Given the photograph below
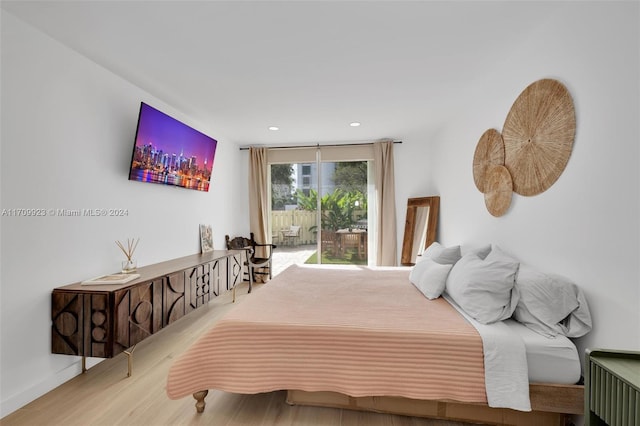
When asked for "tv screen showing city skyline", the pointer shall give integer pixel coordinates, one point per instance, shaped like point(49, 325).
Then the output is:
point(169, 152)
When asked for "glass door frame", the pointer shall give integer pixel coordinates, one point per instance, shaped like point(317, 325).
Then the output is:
point(332, 153)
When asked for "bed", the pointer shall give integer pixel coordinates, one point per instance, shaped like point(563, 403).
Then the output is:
point(366, 339)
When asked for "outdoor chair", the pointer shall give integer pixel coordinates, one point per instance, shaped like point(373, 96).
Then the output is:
point(329, 242)
point(291, 234)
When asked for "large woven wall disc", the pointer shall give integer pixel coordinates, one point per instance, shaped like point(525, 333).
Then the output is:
point(538, 136)
point(498, 190)
point(489, 152)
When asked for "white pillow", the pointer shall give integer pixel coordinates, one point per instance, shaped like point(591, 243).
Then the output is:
point(497, 253)
point(441, 254)
point(485, 289)
point(481, 251)
point(430, 277)
point(551, 304)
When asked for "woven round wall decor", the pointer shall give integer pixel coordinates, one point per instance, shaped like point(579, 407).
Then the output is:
point(489, 152)
point(498, 190)
point(538, 136)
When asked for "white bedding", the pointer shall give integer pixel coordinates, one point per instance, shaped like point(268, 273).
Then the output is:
point(550, 360)
point(516, 356)
point(505, 363)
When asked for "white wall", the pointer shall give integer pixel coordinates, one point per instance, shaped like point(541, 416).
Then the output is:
point(586, 226)
point(67, 134)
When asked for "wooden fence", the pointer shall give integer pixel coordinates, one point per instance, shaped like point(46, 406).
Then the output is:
point(282, 220)
point(307, 220)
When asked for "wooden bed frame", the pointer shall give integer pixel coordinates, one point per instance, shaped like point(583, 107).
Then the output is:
point(552, 405)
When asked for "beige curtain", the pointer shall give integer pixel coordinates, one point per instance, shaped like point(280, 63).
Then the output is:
point(258, 195)
point(386, 203)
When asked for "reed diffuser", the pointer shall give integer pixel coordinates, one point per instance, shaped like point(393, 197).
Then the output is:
point(128, 265)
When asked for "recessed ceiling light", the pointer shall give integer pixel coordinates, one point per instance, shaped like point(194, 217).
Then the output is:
point(354, 124)
point(274, 128)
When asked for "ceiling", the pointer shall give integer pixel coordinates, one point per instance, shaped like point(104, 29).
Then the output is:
point(309, 68)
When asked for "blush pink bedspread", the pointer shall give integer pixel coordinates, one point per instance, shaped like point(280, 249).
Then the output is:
point(357, 331)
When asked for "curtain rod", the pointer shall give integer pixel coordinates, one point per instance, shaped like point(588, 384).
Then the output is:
point(318, 145)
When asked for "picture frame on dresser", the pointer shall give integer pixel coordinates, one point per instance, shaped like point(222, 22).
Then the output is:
point(206, 238)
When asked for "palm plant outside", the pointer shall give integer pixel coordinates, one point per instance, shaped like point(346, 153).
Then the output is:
point(337, 208)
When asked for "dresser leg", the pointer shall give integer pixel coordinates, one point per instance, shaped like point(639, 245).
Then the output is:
point(84, 364)
point(129, 354)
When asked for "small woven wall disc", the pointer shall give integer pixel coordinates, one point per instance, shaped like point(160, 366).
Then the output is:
point(498, 190)
point(538, 136)
point(489, 152)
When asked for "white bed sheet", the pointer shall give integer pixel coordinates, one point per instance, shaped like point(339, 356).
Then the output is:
point(505, 363)
point(549, 360)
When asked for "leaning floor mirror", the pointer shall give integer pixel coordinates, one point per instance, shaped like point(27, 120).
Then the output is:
point(420, 227)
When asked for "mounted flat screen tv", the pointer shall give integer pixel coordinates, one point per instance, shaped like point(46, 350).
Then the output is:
point(168, 152)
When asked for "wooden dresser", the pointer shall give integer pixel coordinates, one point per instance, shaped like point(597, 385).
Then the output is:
point(105, 320)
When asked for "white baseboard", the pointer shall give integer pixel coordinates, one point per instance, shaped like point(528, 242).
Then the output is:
point(19, 400)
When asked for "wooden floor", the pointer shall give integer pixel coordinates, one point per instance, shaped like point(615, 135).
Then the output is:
point(104, 395)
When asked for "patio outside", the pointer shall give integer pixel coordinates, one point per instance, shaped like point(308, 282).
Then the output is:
point(319, 213)
point(286, 255)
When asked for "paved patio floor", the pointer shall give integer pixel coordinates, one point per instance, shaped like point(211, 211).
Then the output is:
point(284, 256)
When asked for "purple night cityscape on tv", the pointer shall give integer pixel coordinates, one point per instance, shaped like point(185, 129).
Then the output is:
point(169, 152)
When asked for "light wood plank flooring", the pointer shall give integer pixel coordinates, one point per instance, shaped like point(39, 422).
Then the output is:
point(104, 395)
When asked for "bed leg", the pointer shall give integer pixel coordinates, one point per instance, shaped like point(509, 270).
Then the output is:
point(200, 396)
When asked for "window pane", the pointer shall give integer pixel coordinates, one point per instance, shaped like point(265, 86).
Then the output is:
point(344, 212)
point(338, 232)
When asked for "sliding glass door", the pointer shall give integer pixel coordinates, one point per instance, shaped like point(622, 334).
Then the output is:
point(343, 212)
point(322, 207)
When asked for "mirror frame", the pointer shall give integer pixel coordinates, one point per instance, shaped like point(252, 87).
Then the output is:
point(409, 226)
